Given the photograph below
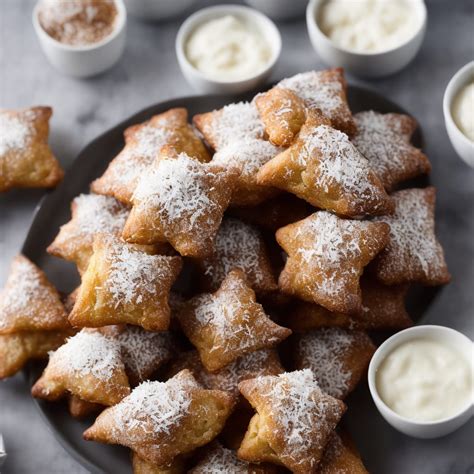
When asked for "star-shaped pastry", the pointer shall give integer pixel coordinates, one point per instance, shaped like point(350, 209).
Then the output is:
point(143, 142)
point(233, 123)
point(338, 358)
point(88, 365)
point(238, 245)
point(180, 201)
point(326, 257)
point(413, 253)
point(383, 308)
point(248, 156)
point(294, 421)
point(91, 214)
point(162, 420)
point(341, 456)
point(26, 161)
point(16, 349)
point(385, 140)
point(123, 284)
point(229, 323)
point(326, 169)
point(321, 92)
point(29, 302)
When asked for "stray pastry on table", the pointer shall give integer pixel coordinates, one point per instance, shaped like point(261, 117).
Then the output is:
point(229, 323)
point(339, 358)
point(413, 253)
point(91, 214)
point(326, 257)
point(181, 201)
point(89, 365)
point(293, 423)
point(26, 161)
point(123, 284)
point(238, 245)
point(163, 420)
point(324, 168)
point(142, 145)
point(385, 140)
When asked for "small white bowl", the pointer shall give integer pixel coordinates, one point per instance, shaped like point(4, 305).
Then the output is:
point(157, 10)
point(463, 146)
point(206, 84)
point(421, 429)
point(84, 61)
point(365, 64)
point(280, 9)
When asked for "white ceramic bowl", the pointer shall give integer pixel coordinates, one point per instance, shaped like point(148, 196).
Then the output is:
point(84, 61)
point(206, 84)
point(420, 429)
point(365, 64)
point(463, 146)
point(157, 10)
point(280, 9)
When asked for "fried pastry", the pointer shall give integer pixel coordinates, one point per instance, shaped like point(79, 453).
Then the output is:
point(322, 92)
point(283, 114)
point(140, 466)
point(238, 245)
point(81, 409)
point(29, 302)
point(338, 358)
point(248, 156)
point(274, 213)
point(122, 284)
point(326, 257)
point(233, 123)
point(91, 214)
point(413, 253)
point(293, 423)
point(227, 379)
point(341, 456)
point(180, 201)
point(383, 308)
point(162, 420)
point(324, 168)
point(26, 161)
point(385, 140)
point(142, 145)
point(88, 365)
point(229, 323)
point(18, 348)
point(218, 459)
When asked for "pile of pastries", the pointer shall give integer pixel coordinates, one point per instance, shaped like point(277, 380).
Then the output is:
point(230, 271)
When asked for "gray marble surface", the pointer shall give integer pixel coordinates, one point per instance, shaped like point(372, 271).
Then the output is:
point(149, 73)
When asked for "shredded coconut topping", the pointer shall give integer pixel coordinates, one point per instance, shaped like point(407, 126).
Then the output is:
point(88, 353)
point(220, 460)
point(236, 122)
point(15, 133)
point(154, 408)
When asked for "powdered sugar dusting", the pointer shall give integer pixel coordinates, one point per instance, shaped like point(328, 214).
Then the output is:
point(15, 133)
point(221, 460)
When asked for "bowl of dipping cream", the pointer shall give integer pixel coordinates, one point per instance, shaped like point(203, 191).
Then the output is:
point(368, 38)
point(227, 48)
point(421, 380)
point(458, 109)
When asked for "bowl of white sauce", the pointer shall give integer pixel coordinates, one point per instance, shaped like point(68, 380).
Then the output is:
point(369, 38)
point(458, 109)
point(421, 380)
point(227, 48)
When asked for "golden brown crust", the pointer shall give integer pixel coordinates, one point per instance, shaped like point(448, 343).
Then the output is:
point(325, 169)
point(181, 201)
point(326, 257)
point(142, 145)
point(123, 284)
point(140, 466)
point(81, 409)
point(161, 421)
point(229, 323)
point(29, 302)
point(26, 161)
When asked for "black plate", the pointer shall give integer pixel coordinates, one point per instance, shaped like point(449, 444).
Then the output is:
point(53, 211)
